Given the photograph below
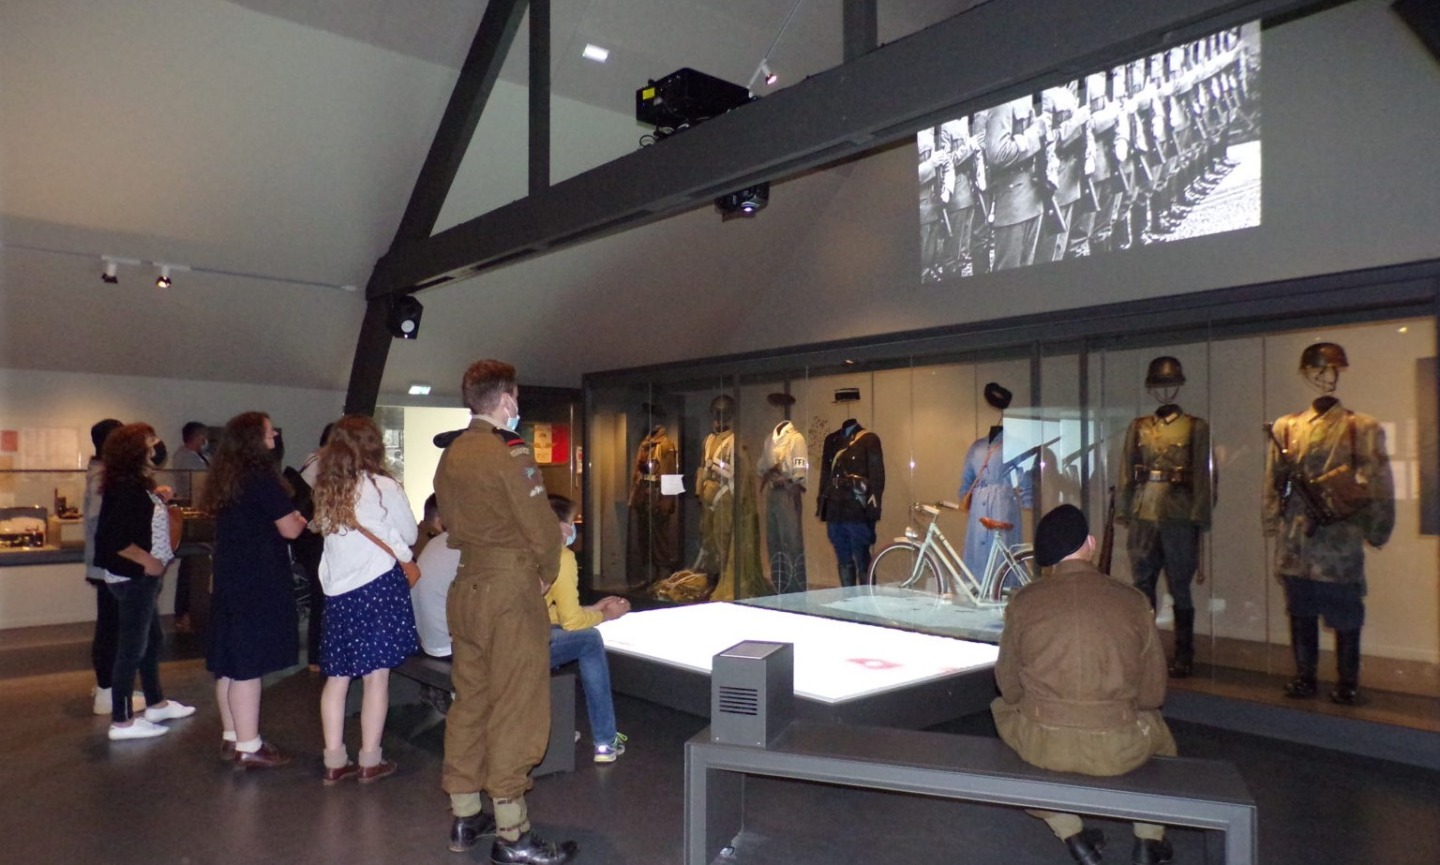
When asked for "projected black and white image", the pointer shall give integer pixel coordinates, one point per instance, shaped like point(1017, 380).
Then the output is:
point(1163, 148)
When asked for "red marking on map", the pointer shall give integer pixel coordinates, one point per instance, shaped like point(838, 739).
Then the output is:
point(874, 663)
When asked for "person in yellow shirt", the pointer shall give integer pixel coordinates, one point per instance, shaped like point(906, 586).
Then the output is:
point(573, 638)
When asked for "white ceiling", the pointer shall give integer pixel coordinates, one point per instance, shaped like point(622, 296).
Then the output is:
point(276, 141)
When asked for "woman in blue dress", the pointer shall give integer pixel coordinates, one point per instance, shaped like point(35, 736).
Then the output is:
point(254, 625)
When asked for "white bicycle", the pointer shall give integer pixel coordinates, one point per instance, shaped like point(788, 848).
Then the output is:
point(931, 563)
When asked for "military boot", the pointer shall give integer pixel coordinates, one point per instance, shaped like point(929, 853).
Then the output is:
point(1305, 642)
point(847, 575)
point(1347, 666)
point(1086, 845)
point(1184, 662)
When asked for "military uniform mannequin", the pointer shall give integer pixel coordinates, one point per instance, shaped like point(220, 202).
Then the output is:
point(1328, 492)
point(853, 466)
point(729, 519)
point(1164, 495)
point(783, 466)
point(654, 536)
point(994, 490)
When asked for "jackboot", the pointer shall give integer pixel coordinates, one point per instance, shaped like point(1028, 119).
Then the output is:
point(1347, 668)
point(847, 575)
point(1305, 642)
point(1085, 846)
point(1184, 662)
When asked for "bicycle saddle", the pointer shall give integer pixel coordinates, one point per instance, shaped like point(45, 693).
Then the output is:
point(996, 525)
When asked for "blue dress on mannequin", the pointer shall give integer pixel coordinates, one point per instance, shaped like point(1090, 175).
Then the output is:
point(1000, 494)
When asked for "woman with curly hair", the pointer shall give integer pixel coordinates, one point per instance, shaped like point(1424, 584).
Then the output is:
point(253, 621)
point(369, 625)
point(132, 548)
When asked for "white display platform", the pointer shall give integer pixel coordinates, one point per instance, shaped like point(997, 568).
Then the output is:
point(835, 661)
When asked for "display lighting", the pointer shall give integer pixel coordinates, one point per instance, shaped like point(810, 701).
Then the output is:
point(596, 53)
point(419, 390)
point(745, 203)
point(109, 275)
point(163, 280)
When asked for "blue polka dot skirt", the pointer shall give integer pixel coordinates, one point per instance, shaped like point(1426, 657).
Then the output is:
point(370, 628)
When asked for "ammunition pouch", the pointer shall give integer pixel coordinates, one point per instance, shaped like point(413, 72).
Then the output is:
point(1342, 493)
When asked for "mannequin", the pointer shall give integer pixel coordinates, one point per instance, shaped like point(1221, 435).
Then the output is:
point(1164, 496)
point(783, 467)
point(853, 468)
point(729, 520)
point(1328, 492)
point(998, 490)
point(653, 549)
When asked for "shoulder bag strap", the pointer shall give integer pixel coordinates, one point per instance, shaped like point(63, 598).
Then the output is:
point(379, 543)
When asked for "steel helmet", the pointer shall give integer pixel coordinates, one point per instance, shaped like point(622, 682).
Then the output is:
point(1323, 355)
point(1165, 371)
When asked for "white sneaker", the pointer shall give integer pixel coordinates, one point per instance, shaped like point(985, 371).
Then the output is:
point(611, 751)
point(169, 711)
point(102, 702)
point(139, 729)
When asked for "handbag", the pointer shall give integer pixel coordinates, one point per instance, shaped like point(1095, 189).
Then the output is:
point(410, 569)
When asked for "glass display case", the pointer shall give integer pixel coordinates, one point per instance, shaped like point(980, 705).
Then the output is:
point(1159, 433)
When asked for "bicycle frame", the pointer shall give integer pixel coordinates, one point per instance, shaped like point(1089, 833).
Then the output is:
point(950, 567)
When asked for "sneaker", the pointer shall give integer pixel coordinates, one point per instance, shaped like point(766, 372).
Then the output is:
point(139, 728)
point(611, 751)
point(168, 711)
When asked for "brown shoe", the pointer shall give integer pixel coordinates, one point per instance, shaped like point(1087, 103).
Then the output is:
point(383, 769)
point(335, 776)
point(268, 757)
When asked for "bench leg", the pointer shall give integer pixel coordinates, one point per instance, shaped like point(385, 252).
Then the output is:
point(714, 809)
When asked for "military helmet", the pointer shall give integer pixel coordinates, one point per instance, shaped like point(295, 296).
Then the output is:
point(1323, 355)
point(1165, 371)
point(997, 395)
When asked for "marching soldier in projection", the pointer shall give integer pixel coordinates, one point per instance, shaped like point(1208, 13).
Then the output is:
point(1328, 492)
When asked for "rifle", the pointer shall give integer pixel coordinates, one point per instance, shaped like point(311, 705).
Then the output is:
point(1107, 542)
point(1292, 481)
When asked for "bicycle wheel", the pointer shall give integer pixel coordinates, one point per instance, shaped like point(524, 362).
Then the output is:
point(896, 566)
point(1012, 577)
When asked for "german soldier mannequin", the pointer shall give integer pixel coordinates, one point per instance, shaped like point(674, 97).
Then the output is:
point(654, 537)
point(1164, 497)
point(1328, 492)
point(853, 466)
point(783, 466)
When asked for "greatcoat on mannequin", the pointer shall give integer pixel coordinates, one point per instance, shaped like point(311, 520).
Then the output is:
point(783, 467)
point(654, 536)
point(1164, 495)
point(729, 519)
point(1328, 492)
point(997, 489)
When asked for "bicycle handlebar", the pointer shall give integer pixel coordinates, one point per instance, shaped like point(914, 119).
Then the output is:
point(934, 510)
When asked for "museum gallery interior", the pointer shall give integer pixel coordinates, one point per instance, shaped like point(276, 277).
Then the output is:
point(817, 308)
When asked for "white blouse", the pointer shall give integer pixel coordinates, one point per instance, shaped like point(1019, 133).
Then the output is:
point(351, 560)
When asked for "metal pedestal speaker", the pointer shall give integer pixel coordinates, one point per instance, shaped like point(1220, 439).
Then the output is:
point(752, 693)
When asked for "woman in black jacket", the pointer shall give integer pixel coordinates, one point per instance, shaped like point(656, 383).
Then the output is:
point(132, 547)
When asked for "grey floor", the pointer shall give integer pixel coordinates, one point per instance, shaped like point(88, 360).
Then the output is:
point(71, 796)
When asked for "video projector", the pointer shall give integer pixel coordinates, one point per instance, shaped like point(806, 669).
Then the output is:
point(684, 98)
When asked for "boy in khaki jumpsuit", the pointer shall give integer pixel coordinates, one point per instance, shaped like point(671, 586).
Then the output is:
point(493, 502)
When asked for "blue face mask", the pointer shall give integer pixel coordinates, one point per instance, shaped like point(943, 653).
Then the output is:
point(513, 423)
point(569, 535)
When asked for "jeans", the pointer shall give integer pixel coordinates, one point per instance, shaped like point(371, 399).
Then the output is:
point(138, 645)
point(588, 647)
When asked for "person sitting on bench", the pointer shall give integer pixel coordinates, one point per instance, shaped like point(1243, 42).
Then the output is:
point(573, 638)
point(1082, 677)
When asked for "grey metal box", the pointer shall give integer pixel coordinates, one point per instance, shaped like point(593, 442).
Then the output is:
point(752, 693)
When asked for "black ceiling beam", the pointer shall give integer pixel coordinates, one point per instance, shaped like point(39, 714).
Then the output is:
point(457, 127)
point(481, 69)
point(860, 28)
point(539, 96)
point(992, 52)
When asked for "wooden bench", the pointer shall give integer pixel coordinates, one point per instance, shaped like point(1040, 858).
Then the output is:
point(432, 672)
point(1175, 791)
